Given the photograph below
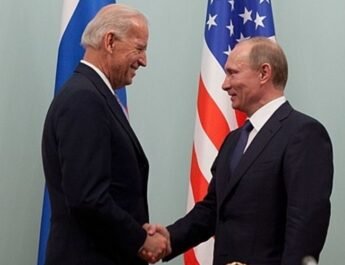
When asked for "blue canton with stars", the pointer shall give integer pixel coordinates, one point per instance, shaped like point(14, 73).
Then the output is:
point(230, 21)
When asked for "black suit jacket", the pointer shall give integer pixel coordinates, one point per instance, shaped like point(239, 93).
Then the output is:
point(274, 208)
point(96, 173)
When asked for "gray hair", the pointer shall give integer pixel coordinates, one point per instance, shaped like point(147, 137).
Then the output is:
point(265, 50)
point(116, 18)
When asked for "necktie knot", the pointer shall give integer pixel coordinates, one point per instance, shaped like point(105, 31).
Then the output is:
point(247, 126)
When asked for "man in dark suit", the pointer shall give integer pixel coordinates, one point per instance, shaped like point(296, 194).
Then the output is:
point(96, 171)
point(274, 206)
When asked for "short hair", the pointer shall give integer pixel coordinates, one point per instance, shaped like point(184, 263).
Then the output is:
point(265, 50)
point(116, 18)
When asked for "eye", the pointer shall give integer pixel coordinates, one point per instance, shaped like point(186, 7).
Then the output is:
point(231, 72)
point(139, 50)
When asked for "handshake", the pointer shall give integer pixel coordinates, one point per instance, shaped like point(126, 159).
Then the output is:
point(157, 244)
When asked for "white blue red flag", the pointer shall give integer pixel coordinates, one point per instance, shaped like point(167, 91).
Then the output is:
point(227, 23)
point(75, 16)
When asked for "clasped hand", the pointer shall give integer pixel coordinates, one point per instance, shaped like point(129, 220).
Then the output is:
point(157, 244)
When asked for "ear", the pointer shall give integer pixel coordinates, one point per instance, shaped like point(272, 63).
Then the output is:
point(265, 72)
point(109, 41)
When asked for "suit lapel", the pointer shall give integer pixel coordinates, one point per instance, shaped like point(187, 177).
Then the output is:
point(256, 147)
point(224, 164)
point(111, 102)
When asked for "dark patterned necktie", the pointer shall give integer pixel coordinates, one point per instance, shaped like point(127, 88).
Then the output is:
point(241, 144)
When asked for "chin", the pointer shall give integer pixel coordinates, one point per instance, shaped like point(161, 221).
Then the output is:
point(234, 105)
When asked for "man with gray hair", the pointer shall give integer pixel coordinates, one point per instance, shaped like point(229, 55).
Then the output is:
point(95, 168)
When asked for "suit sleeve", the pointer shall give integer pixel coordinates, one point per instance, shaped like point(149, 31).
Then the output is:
point(196, 227)
point(84, 138)
point(308, 173)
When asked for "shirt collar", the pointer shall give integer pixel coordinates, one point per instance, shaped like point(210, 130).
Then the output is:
point(261, 116)
point(100, 73)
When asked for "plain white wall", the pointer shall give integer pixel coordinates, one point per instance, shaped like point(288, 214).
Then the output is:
point(161, 104)
point(28, 44)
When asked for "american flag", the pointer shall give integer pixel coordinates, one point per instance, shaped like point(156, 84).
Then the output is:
point(227, 23)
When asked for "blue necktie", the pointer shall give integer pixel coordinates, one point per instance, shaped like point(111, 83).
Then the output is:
point(241, 144)
point(121, 105)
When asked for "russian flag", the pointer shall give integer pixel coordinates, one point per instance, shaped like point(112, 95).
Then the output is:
point(75, 16)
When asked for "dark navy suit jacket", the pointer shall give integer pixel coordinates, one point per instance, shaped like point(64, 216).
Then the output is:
point(275, 207)
point(96, 173)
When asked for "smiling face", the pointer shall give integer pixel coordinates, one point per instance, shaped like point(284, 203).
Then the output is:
point(242, 82)
point(127, 54)
point(256, 73)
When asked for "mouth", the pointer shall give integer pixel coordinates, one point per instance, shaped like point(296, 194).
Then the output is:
point(232, 95)
point(134, 69)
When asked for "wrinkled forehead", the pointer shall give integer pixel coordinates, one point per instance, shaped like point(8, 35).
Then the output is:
point(138, 29)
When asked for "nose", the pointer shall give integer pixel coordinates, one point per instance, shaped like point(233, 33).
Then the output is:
point(226, 83)
point(143, 59)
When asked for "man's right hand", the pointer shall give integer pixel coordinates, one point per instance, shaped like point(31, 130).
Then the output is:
point(155, 248)
point(157, 243)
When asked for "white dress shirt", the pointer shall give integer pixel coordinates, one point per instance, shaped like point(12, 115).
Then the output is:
point(261, 116)
point(107, 82)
